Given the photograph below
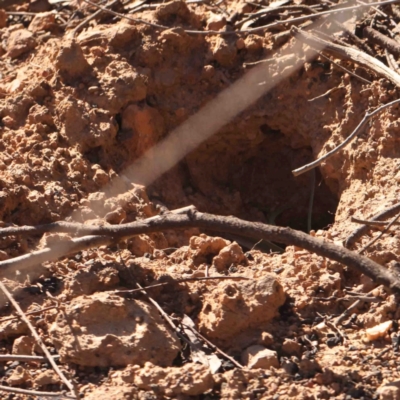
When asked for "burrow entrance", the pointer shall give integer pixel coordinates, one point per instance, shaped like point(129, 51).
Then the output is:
point(245, 171)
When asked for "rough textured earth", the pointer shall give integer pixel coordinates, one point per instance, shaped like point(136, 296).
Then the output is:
point(77, 108)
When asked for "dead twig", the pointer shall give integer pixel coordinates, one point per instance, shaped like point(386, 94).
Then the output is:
point(28, 392)
point(317, 15)
point(357, 233)
point(252, 30)
point(311, 202)
point(62, 249)
point(385, 42)
point(392, 61)
point(350, 53)
point(348, 298)
point(221, 224)
point(23, 358)
point(360, 43)
point(368, 115)
point(272, 11)
point(211, 222)
point(206, 278)
point(165, 316)
point(39, 341)
point(91, 17)
point(351, 308)
point(215, 348)
point(328, 92)
point(74, 227)
point(137, 20)
point(28, 313)
point(380, 234)
point(345, 70)
point(377, 224)
point(197, 350)
point(333, 326)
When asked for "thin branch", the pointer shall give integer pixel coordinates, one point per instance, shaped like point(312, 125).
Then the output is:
point(350, 53)
point(362, 230)
point(28, 313)
point(61, 249)
point(28, 392)
point(311, 202)
point(314, 16)
point(392, 61)
point(137, 20)
point(252, 30)
point(385, 42)
point(74, 227)
point(205, 278)
point(366, 299)
point(328, 92)
point(23, 358)
point(39, 340)
point(377, 224)
point(165, 316)
point(211, 222)
point(272, 11)
point(215, 348)
point(357, 130)
point(350, 309)
point(380, 234)
point(360, 43)
point(91, 17)
point(345, 70)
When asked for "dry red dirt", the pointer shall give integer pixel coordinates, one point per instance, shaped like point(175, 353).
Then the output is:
point(76, 111)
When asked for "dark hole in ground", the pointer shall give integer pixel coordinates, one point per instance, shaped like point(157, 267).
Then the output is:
point(251, 179)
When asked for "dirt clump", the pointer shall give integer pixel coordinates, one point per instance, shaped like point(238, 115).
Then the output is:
point(123, 332)
point(191, 379)
point(233, 307)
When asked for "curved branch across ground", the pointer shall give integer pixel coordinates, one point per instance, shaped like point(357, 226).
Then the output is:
point(256, 230)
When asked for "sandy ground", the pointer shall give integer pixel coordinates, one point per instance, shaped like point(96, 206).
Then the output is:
point(78, 107)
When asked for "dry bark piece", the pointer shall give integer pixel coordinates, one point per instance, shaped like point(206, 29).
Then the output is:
point(121, 331)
